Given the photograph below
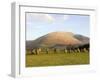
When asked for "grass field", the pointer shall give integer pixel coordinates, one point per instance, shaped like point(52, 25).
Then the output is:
point(54, 59)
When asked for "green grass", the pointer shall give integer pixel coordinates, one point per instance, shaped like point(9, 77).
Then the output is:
point(54, 59)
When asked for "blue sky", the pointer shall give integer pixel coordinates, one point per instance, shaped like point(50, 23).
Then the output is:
point(39, 24)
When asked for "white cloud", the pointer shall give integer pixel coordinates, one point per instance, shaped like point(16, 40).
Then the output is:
point(50, 18)
point(46, 18)
point(31, 17)
point(66, 17)
point(62, 18)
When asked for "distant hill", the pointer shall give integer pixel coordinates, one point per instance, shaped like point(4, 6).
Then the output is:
point(58, 39)
point(83, 39)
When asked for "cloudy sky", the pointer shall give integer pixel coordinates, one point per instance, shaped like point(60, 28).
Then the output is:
point(39, 24)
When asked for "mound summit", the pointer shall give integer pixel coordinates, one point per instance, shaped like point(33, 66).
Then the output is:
point(57, 39)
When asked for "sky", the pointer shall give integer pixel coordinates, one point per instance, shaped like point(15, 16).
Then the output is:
point(39, 24)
